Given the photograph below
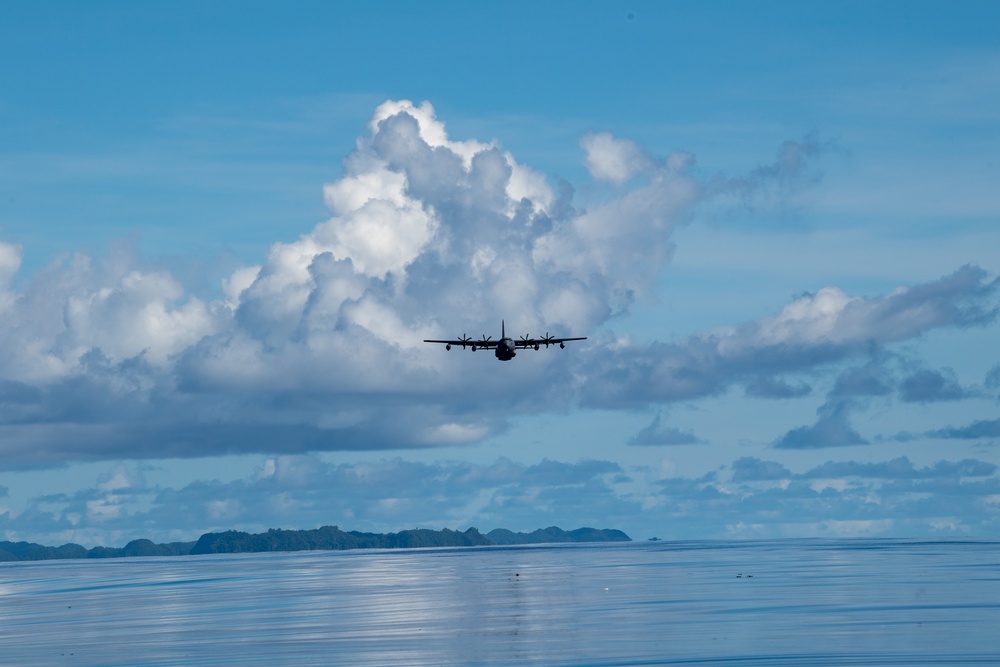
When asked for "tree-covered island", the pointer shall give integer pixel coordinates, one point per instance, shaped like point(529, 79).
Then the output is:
point(327, 538)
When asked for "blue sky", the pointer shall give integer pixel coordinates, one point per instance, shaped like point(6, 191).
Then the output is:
point(226, 227)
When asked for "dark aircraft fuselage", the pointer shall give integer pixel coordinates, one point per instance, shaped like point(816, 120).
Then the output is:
point(505, 349)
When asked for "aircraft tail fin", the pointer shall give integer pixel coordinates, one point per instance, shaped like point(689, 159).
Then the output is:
point(503, 331)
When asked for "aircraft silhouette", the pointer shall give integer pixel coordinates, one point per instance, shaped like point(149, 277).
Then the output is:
point(505, 349)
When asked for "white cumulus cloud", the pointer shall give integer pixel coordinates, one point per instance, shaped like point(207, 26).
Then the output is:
point(318, 347)
point(609, 158)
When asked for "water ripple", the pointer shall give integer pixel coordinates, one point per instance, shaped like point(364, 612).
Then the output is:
point(807, 602)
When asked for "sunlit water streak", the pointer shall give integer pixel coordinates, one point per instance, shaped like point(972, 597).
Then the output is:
point(882, 602)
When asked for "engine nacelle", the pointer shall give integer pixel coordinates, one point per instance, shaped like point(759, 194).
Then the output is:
point(447, 347)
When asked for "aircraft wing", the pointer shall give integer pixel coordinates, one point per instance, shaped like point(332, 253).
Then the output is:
point(546, 341)
point(478, 344)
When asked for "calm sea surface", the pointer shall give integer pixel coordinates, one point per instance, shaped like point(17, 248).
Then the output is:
point(794, 602)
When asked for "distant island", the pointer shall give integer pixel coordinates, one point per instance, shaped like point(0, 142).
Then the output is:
point(327, 538)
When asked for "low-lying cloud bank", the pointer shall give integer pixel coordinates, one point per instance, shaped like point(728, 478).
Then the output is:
point(752, 497)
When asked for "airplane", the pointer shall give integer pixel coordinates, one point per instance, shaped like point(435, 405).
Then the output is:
point(505, 349)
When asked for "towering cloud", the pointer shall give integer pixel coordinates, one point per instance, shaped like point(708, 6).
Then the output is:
point(318, 347)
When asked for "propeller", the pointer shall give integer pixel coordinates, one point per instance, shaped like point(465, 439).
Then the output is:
point(547, 339)
point(485, 340)
point(525, 340)
point(463, 340)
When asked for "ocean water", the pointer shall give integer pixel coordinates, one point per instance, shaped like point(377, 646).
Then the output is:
point(789, 602)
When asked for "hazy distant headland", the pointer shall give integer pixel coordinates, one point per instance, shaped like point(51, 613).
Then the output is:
point(327, 538)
